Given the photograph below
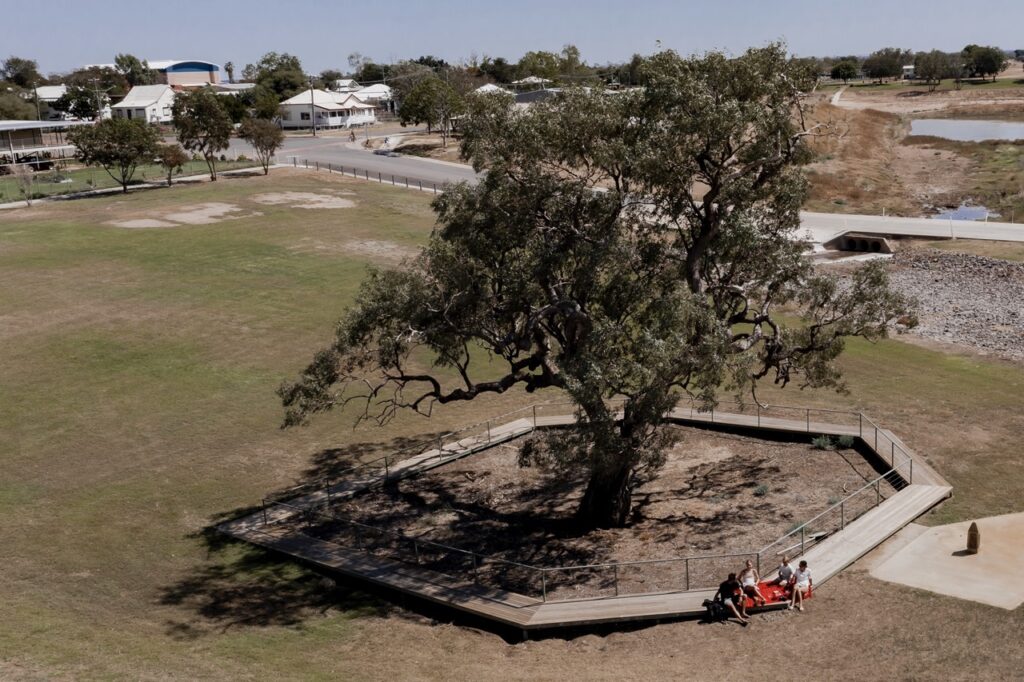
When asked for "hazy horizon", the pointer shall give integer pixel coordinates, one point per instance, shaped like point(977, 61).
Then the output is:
point(323, 35)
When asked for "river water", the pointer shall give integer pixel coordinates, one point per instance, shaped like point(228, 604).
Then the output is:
point(964, 130)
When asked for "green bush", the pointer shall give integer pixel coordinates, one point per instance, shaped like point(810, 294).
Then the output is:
point(823, 443)
point(846, 442)
point(761, 490)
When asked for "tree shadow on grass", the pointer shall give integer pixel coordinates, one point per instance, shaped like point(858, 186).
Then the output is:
point(243, 585)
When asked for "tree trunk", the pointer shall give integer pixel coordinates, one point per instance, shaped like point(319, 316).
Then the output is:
point(608, 498)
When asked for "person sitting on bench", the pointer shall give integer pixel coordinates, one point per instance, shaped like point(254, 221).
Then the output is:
point(749, 578)
point(730, 594)
point(801, 586)
point(785, 573)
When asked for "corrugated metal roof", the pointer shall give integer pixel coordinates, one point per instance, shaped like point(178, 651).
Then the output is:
point(143, 96)
point(39, 125)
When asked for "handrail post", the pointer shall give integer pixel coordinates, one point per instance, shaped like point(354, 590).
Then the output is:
point(543, 585)
point(842, 515)
point(860, 423)
point(488, 430)
point(802, 540)
point(911, 470)
point(878, 494)
point(264, 511)
point(616, 569)
point(808, 420)
point(876, 440)
point(687, 574)
point(534, 417)
point(758, 415)
point(387, 469)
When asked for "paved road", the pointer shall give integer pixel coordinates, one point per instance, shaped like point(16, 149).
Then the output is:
point(822, 227)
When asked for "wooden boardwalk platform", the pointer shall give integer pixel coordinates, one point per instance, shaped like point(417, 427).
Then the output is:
point(274, 528)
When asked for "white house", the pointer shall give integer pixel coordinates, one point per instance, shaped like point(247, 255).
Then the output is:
point(374, 93)
point(345, 85)
point(150, 103)
point(326, 110)
point(492, 89)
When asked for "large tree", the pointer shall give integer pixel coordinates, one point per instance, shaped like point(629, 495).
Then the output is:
point(984, 61)
point(281, 73)
point(203, 125)
point(118, 145)
point(935, 65)
point(13, 106)
point(682, 276)
point(172, 158)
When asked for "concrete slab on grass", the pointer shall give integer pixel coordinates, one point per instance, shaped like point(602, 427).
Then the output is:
point(936, 561)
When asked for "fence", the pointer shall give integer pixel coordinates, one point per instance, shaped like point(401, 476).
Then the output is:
point(380, 177)
point(61, 181)
point(566, 583)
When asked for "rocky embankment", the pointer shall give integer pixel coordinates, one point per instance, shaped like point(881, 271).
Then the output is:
point(965, 299)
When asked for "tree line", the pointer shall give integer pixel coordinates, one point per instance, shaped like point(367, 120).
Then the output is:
point(932, 66)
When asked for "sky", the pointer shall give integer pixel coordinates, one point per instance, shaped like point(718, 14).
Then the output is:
point(64, 34)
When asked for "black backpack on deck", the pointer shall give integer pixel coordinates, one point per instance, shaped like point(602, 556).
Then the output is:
point(716, 610)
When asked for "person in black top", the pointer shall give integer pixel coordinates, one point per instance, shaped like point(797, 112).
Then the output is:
point(730, 594)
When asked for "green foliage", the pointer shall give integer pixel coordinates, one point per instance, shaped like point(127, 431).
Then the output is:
point(935, 65)
point(599, 294)
point(761, 490)
point(433, 102)
point(845, 442)
point(203, 125)
point(14, 107)
point(118, 145)
point(886, 63)
point(823, 442)
point(541, 64)
point(844, 71)
point(21, 72)
point(282, 74)
point(105, 81)
point(80, 102)
point(984, 61)
point(136, 72)
point(172, 158)
point(498, 68)
point(265, 137)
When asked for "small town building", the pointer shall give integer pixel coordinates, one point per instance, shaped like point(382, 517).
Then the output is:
point(185, 73)
point(30, 141)
point(374, 93)
point(345, 85)
point(492, 89)
point(325, 110)
point(908, 72)
point(150, 103)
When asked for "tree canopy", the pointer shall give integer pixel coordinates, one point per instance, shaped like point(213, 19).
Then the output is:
point(844, 71)
point(683, 276)
point(21, 72)
point(118, 145)
point(433, 102)
point(81, 103)
point(134, 70)
point(982, 61)
point(265, 137)
point(203, 125)
point(886, 63)
point(280, 73)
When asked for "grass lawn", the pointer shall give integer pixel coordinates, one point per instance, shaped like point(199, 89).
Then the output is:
point(50, 183)
point(946, 84)
point(139, 370)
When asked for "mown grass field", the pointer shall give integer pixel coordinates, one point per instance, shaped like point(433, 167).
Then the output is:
point(138, 374)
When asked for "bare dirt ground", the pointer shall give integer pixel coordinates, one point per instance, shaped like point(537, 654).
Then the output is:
point(431, 146)
point(717, 494)
point(921, 101)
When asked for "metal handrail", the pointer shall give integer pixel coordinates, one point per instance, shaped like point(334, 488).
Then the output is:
point(545, 570)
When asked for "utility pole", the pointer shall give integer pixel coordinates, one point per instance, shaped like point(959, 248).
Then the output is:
point(312, 107)
point(35, 88)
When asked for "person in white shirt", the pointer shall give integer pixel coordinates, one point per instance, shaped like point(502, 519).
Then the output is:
point(749, 578)
point(801, 585)
point(785, 573)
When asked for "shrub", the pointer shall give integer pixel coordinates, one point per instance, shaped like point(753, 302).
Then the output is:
point(761, 490)
point(242, 157)
point(846, 442)
point(823, 443)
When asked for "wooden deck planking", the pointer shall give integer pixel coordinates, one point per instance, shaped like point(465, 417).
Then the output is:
point(826, 559)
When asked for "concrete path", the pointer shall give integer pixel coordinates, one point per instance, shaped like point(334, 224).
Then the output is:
point(935, 561)
point(839, 93)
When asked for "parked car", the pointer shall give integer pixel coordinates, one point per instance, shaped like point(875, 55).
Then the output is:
point(36, 162)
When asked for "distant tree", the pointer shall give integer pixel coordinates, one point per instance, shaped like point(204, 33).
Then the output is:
point(982, 61)
point(1018, 55)
point(886, 63)
point(100, 79)
point(118, 145)
point(356, 61)
point(371, 72)
point(844, 71)
point(136, 72)
point(281, 73)
point(498, 68)
point(21, 72)
point(935, 65)
point(541, 64)
point(203, 125)
point(263, 102)
point(249, 73)
point(14, 107)
point(431, 62)
point(328, 77)
point(81, 103)
point(173, 158)
point(264, 137)
point(570, 64)
point(403, 77)
point(229, 68)
point(236, 105)
point(434, 103)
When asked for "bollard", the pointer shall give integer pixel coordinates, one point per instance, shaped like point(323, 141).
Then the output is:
point(973, 538)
